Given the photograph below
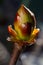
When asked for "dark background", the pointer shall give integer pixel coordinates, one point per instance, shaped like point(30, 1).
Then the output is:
point(8, 9)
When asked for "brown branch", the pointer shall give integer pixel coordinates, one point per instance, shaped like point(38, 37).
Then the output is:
point(16, 52)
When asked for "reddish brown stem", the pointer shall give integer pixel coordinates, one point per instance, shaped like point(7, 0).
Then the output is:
point(16, 52)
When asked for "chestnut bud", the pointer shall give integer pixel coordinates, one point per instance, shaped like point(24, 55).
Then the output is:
point(24, 23)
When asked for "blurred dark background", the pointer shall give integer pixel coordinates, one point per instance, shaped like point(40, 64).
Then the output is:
point(8, 9)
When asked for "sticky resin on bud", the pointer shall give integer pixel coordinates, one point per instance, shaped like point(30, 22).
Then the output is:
point(24, 23)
